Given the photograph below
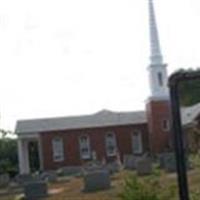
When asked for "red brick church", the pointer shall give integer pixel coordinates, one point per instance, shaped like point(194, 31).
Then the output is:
point(72, 141)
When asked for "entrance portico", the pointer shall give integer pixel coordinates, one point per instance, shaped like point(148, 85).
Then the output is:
point(23, 152)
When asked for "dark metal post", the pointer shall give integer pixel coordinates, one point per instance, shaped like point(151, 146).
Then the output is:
point(178, 140)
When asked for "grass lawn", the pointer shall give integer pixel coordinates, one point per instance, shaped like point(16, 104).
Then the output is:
point(9, 197)
point(72, 190)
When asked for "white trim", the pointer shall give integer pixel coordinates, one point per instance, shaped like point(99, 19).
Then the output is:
point(29, 136)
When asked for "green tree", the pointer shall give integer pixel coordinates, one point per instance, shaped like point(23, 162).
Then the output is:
point(189, 92)
point(8, 153)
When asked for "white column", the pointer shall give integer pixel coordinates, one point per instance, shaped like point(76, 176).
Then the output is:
point(20, 156)
point(26, 157)
point(23, 156)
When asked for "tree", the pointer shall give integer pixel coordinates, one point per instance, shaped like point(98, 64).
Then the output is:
point(189, 92)
point(8, 153)
point(5, 133)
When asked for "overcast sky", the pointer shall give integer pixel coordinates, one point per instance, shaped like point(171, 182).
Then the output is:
point(71, 57)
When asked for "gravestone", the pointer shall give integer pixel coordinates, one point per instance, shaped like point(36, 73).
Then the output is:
point(113, 167)
point(169, 162)
point(49, 176)
point(24, 178)
point(130, 161)
point(144, 167)
point(96, 180)
point(35, 190)
point(162, 160)
point(92, 166)
point(69, 171)
point(4, 180)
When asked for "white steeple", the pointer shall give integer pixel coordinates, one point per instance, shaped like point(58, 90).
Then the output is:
point(157, 69)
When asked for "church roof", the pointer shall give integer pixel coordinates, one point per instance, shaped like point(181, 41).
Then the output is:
point(100, 119)
point(189, 114)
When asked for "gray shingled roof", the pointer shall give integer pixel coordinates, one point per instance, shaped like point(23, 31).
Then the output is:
point(100, 119)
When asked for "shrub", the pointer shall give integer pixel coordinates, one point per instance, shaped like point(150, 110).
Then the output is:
point(134, 189)
point(195, 195)
point(148, 188)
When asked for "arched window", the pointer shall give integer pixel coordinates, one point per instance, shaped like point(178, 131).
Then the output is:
point(160, 79)
point(137, 142)
point(84, 145)
point(111, 144)
point(58, 149)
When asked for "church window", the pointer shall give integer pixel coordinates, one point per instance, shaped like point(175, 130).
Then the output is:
point(165, 125)
point(84, 144)
point(58, 149)
point(137, 142)
point(160, 79)
point(111, 144)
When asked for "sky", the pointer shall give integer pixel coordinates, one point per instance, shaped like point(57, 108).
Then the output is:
point(73, 57)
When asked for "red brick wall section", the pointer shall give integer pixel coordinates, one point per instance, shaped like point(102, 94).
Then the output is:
point(97, 142)
point(157, 111)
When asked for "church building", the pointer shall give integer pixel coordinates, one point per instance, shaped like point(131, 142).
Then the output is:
point(73, 141)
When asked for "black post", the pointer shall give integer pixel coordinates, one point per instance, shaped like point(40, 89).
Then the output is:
point(178, 139)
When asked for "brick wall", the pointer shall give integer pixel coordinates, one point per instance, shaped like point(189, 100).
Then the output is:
point(159, 140)
point(97, 142)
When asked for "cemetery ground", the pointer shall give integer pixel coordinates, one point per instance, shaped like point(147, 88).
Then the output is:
point(71, 188)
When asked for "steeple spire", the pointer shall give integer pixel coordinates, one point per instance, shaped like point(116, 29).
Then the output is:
point(156, 55)
point(157, 69)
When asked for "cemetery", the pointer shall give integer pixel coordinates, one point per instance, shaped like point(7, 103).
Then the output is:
point(97, 181)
